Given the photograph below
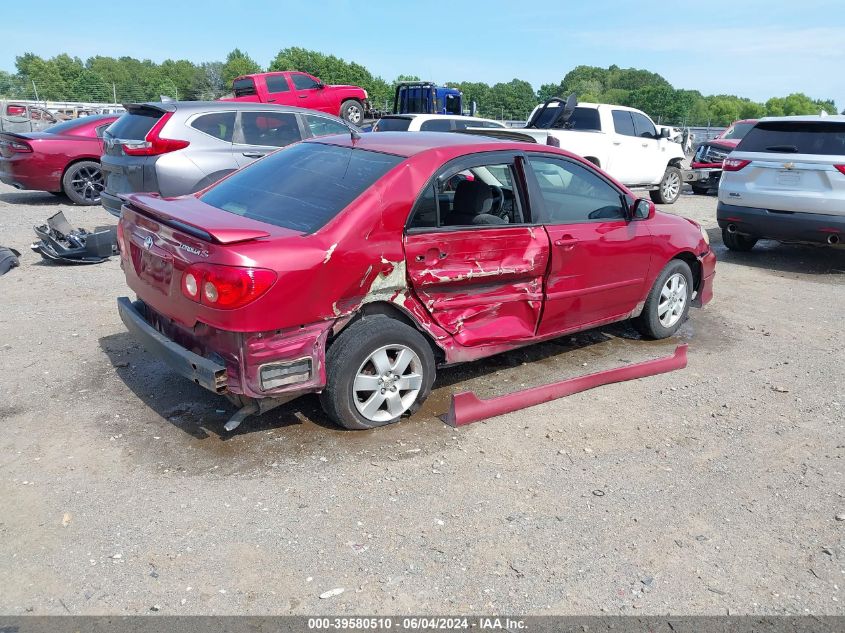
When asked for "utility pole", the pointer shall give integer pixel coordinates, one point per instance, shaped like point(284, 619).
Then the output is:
point(35, 89)
point(114, 92)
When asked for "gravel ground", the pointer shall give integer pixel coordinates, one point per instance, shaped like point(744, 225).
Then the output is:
point(710, 490)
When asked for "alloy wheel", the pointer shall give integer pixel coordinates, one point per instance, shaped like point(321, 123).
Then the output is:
point(387, 383)
point(673, 300)
point(88, 183)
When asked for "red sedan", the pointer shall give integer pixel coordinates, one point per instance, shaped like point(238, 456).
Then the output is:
point(64, 158)
point(353, 267)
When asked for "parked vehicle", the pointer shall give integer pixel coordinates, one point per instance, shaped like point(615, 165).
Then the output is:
point(785, 181)
point(622, 141)
point(180, 147)
point(64, 158)
point(432, 123)
point(426, 97)
point(710, 154)
point(380, 265)
point(24, 117)
point(292, 88)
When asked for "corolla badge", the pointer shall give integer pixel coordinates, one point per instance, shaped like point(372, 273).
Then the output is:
point(194, 251)
point(148, 242)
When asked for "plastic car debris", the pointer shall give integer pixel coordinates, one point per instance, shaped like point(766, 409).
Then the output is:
point(466, 407)
point(61, 243)
point(8, 259)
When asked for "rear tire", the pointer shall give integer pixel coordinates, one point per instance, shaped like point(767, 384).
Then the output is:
point(352, 111)
point(668, 302)
point(738, 242)
point(699, 190)
point(670, 187)
point(377, 371)
point(83, 182)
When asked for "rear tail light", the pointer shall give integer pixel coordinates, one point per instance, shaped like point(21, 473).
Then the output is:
point(840, 168)
point(734, 164)
point(225, 287)
point(18, 147)
point(153, 144)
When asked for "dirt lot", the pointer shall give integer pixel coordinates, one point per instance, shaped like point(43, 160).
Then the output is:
point(710, 490)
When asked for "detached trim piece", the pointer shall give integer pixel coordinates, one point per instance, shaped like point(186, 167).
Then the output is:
point(467, 407)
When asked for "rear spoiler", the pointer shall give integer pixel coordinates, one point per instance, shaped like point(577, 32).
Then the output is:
point(147, 205)
point(503, 133)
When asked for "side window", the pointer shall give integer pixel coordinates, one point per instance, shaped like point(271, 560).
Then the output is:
point(623, 123)
point(100, 129)
point(321, 126)
point(303, 82)
point(484, 195)
point(436, 125)
point(244, 87)
point(271, 129)
point(217, 124)
point(572, 193)
point(277, 83)
point(643, 126)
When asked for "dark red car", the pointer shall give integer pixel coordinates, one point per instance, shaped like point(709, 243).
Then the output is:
point(710, 154)
point(353, 267)
point(64, 158)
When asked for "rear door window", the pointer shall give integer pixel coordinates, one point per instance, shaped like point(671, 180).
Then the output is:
point(321, 126)
point(391, 124)
point(277, 83)
point(302, 187)
point(436, 125)
point(795, 137)
point(623, 123)
point(270, 129)
point(217, 124)
point(135, 125)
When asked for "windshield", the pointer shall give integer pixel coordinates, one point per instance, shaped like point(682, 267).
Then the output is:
point(582, 118)
point(738, 131)
point(302, 187)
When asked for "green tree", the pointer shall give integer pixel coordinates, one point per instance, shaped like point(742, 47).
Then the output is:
point(238, 63)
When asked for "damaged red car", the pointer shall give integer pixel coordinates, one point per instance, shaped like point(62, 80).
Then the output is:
point(354, 266)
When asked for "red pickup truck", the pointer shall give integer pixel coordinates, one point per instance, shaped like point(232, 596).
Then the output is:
point(294, 88)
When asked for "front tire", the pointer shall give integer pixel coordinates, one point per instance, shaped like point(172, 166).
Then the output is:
point(668, 302)
point(737, 242)
point(83, 182)
point(377, 371)
point(670, 187)
point(352, 111)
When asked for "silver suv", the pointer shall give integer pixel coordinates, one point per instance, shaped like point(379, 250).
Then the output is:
point(785, 181)
point(180, 147)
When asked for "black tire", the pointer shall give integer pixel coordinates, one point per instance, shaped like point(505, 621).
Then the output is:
point(699, 190)
point(351, 353)
point(352, 111)
point(670, 187)
point(648, 323)
point(83, 182)
point(737, 242)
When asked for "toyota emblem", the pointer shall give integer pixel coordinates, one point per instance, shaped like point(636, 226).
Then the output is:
point(148, 242)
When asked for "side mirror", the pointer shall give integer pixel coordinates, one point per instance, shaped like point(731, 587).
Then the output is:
point(320, 85)
point(643, 209)
point(665, 132)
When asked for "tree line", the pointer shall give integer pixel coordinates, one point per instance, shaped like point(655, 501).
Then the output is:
point(126, 79)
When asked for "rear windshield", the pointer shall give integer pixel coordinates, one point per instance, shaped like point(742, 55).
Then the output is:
point(393, 125)
point(795, 137)
point(134, 125)
point(302, 187)
point(582, 119)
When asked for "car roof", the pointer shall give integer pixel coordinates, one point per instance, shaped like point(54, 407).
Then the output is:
point(810, 118)
point(407, 145)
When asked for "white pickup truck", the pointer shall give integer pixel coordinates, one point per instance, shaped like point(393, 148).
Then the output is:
point(624, 142)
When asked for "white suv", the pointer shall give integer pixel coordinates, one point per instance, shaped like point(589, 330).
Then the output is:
point(785, 181)
point(431, 123)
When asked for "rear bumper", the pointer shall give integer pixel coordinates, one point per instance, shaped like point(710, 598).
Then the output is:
point(271, 364)
point(785, 226)
point(12, 172)
point(194, 367)
point(111, 203)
